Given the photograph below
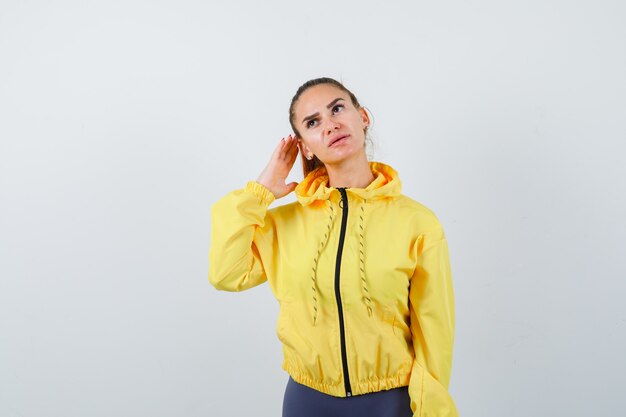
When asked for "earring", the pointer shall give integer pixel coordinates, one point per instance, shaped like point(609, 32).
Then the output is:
point(309, 157)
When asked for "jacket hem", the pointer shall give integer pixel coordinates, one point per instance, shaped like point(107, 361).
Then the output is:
point(338, 390)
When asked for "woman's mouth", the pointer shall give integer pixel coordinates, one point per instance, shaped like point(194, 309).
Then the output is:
point(339, 141)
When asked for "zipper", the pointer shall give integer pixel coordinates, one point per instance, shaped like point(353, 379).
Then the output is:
point(344, 358)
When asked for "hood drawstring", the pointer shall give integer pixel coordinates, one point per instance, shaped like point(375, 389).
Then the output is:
point(317, 256)
point(366, 293)
point(366, 297)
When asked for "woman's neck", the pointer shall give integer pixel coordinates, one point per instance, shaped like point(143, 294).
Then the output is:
point(350, 174)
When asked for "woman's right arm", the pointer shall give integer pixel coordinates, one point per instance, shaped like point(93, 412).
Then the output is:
point(242, 235)
point(241, 238)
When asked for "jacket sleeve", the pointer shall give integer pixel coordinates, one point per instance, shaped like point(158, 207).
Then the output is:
point(241, 238)
point(431, 306)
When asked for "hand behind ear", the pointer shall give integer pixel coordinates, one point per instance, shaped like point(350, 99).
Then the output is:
point(275, 173)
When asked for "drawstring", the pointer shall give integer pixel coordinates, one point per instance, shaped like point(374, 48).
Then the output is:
point(366, 297)
point(317, 256)
point(366, 292)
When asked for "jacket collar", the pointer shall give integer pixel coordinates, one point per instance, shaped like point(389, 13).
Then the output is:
point(315, 185)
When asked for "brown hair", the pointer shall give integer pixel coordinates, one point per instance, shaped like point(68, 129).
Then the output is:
point(310, 165)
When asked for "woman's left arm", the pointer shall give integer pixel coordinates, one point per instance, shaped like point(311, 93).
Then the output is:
point(431, 302)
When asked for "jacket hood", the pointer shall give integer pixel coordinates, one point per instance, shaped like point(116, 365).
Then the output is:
point(314, 187)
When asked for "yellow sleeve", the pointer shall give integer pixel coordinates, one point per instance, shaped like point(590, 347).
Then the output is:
point(241, 238)
point(431, 306)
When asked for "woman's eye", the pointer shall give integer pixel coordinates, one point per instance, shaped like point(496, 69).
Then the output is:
point(312, 120)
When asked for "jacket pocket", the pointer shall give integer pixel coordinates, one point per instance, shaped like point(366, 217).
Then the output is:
point(432, 398)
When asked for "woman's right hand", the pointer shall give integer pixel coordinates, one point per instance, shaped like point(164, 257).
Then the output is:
point(275, 173)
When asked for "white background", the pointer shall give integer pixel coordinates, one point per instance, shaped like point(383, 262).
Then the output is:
point(121, 122)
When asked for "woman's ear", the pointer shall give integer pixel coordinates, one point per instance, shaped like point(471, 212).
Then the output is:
point(305, 150)
point(365, 117)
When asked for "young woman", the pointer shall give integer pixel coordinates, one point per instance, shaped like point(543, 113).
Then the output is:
point(361, 271)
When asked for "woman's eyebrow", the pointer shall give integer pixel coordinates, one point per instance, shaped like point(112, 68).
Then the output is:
point(331, 104)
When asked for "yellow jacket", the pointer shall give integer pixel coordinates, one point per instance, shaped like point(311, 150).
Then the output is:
point(363, 279)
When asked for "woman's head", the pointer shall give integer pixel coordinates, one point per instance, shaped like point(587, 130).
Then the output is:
point(321, 111)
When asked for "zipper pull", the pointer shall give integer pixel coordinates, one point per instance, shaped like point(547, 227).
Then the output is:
point(342, 190)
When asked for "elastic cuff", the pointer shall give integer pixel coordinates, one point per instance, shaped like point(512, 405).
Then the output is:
point(260, 191)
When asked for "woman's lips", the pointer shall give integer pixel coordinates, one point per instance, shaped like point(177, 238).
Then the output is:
point(339, 141)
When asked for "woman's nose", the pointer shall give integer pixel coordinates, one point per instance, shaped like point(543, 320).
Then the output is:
point(331, 125)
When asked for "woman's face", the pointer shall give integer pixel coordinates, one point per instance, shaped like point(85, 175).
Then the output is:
point(324, 113)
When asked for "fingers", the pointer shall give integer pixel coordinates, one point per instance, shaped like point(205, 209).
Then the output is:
point(281, 149)
point(293, 152)
point(287, 147)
